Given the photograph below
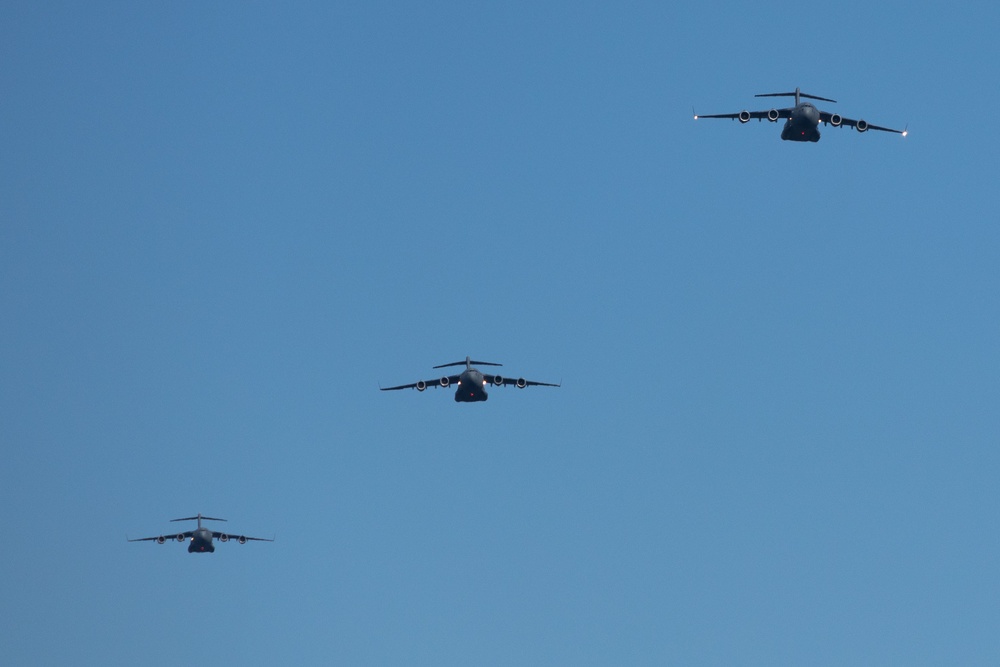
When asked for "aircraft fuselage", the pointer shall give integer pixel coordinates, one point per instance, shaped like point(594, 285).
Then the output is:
point(471, 387)
point(201, 542)
point(803, 124)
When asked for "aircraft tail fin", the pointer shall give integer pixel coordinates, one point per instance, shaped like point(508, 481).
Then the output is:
point(197, 518)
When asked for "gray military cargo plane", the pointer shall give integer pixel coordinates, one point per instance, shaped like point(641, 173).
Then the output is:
point(801, 121)
point(201, 538)
point(470, 385)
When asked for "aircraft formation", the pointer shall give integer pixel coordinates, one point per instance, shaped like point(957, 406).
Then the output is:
point(801, 124)
point(470, 387)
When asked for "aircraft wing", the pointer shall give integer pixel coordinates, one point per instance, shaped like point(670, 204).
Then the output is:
point(759, 115)
point(218, 533)
point(826, 116)
point(517, 382)
point(436, 382)
point(166, 536)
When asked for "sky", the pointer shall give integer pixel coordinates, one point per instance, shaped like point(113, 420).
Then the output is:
point(223, 226)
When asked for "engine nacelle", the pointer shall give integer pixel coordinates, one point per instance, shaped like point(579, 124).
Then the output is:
point(421, 385)
point(744, 116)
point(497, 380)
point(445, 381)
point(836, 119)
point(521, 383)
point(773, 115)
point(223, 537)
point(241, 539)
point(179, 538)
point(862, 126)
point(161, 539)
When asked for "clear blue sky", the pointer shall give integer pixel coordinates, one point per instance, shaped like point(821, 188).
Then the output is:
point(223, 225)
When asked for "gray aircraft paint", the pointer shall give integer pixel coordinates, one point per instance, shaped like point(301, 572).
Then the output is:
point(470, 385)
point(200, 539)
point(801, 121)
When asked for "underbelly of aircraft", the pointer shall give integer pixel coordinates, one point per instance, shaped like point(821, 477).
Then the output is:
point(464, 395)
point(799, 132)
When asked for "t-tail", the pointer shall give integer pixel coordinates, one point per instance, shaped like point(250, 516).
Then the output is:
point(198, 519)
point(797, 95)
point(468, 363)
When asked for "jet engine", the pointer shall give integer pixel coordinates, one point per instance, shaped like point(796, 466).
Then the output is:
point(179, 538)
point(836, 119)
point(223, 537)
point(862, 125)
point(773, 115)
point(241, 539)
point(497, 380)
point(421, 385)
point(744, 116)
point(161, 539)
point(521, 382)
point(445, 381)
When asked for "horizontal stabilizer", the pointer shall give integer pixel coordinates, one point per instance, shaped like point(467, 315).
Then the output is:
point(469, 361)
point(195, 518)
point(795, 94)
